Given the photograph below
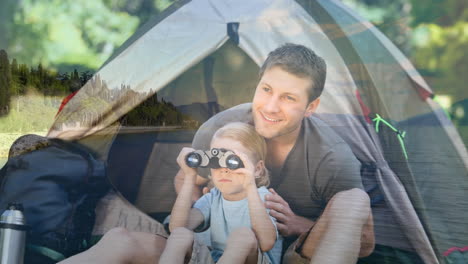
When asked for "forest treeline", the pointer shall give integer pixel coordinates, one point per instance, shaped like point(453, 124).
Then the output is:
point(16, 79)
point(99, 102)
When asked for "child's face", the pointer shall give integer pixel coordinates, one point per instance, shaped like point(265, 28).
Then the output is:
point(229, 182)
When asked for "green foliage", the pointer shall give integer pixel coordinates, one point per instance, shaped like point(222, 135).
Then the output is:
point(391, 17)
point(20, 77)
point(441, 39)
point(434, 34)
point(57, 33)
point(442, 54)
point(441, 12)
point(64, 35)
point(427, 11)
point(143, 9)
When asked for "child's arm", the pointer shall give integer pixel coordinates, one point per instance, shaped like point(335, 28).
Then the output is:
point(195, 219)
point(182, 214)
point(262, 224)
point(200, 183)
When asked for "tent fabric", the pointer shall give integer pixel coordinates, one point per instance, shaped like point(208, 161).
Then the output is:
point(382, 80)
point(386, 70)
point(187, 36)
point(146, 27)
point(203, 57)
point(365, 144)
point(361, 25)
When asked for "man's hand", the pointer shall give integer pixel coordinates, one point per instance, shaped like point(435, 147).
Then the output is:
point(288, 223)
point(206, 189)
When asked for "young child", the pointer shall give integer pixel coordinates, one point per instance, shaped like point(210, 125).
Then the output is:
point(241, 230)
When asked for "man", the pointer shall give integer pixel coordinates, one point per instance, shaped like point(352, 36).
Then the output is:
point(311, 167)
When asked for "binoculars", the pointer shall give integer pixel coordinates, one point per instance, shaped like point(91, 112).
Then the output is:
point(214, 158)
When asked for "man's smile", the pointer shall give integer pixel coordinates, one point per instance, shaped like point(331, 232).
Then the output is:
point(274, 120)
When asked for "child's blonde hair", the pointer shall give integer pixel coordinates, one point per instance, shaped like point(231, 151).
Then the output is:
point(250, 139)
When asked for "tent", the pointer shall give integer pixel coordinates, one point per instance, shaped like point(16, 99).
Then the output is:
point(201, 57)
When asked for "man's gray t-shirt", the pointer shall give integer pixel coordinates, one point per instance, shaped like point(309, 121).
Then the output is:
point(223, 216)
point(320, 164)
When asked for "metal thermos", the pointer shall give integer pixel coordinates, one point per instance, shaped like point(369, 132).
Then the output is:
point(12, 235)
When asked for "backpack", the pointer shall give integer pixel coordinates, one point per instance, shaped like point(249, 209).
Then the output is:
point(59, 184)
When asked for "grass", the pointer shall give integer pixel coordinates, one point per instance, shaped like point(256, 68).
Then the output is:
point(32, 113)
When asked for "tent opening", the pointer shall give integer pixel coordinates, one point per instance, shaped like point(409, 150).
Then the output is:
point(142, 159)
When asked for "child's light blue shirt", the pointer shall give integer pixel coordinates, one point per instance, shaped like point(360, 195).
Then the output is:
point(223, 216)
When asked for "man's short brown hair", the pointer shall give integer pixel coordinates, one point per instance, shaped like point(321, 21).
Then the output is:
point(300, 61)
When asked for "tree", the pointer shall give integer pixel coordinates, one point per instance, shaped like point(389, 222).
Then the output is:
point(5, 82)
point(75, 83)
point(23, 76)
point(14, 67)
point(85, 76)
point(15, 85)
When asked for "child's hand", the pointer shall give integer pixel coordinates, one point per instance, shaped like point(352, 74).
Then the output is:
point(189, 172)
point(248, 172)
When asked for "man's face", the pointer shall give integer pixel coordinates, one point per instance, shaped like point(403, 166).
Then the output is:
point(280, 103)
